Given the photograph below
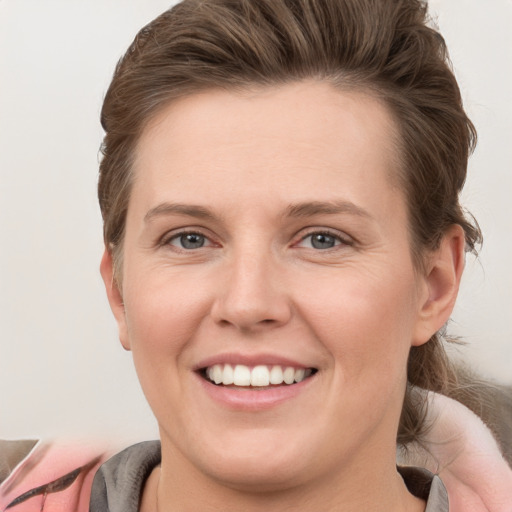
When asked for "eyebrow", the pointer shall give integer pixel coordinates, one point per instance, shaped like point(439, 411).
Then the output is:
point(311, 208)
point(304, 209)
point(189, 210)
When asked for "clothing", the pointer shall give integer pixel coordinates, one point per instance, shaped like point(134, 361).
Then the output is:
point(12, 453)
point(53, 476)
point(118, 484)
point(495, 402)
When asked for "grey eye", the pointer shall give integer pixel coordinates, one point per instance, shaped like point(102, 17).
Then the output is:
point(323, 241)
point(190, 241)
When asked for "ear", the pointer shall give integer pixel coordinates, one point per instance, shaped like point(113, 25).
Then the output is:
point(441, 284)
point(114, 296)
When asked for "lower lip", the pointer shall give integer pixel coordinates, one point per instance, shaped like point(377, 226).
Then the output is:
point(248, 399)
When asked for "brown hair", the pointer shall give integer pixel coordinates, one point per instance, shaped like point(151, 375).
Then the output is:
point(383, 47)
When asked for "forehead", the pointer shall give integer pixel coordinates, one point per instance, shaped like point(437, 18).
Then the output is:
point(302, 138)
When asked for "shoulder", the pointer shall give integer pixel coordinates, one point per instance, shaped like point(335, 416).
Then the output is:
point(44, 476)
point(461, 449)
point(119, 482)
point(496, 405)
point(427, 486)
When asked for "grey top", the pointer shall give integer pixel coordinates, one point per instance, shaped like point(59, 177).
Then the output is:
point(119, 482)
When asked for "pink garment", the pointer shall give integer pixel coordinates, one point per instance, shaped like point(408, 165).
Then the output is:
point(54, 477)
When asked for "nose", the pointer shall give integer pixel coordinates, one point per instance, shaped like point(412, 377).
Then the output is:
point(253, 294)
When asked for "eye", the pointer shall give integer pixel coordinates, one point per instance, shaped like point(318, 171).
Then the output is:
point(321, 240)
point(189, 241)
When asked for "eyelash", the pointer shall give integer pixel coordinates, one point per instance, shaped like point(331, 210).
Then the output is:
point(166, 240)
point(338, 239)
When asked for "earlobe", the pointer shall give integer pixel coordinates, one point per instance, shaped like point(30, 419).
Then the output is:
point(442, 280)
point(114, 296)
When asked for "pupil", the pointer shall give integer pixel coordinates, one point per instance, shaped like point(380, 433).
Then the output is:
point(192, 241)
point(322, 241)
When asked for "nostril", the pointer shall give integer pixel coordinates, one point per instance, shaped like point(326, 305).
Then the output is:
point(250, 305)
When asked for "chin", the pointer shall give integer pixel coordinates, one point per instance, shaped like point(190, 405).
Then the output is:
point(254, 460)
point(258, 474)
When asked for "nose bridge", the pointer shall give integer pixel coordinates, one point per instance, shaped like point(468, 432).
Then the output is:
point(253, 293)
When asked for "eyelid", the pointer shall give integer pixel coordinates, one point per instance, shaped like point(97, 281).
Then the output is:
point(340, 236)
point(192, 230)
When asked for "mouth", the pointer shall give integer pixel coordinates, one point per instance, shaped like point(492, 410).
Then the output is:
point(256, 377)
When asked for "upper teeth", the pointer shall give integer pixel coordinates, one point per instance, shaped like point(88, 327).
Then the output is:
point(262, 375)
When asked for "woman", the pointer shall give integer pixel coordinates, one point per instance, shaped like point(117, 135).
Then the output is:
point(304, 246)
point(284, 242)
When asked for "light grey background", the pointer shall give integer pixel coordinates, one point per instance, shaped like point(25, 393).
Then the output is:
point(62, 370)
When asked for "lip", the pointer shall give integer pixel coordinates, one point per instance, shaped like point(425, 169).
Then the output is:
point(247, 399)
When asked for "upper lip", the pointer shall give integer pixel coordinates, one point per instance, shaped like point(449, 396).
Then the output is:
point(250, 360)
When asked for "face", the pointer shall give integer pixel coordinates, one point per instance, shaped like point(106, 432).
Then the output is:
point(267, 243)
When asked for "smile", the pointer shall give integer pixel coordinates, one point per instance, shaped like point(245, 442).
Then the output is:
point(259, 376)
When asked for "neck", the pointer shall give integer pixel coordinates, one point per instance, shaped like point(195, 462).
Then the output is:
point(379, 489)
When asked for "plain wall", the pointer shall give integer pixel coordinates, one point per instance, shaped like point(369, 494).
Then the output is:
point(62, 369)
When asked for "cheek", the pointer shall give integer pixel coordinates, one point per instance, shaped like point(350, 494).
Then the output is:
point(163, 314)
point(365, 319)
point(163, 317)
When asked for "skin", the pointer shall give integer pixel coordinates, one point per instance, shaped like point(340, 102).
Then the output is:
point(259, 286)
